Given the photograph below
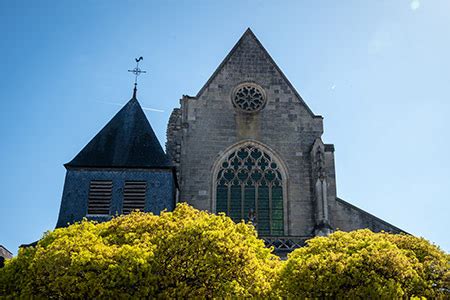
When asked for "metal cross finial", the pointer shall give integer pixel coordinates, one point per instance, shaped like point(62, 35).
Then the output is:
point(137, 71)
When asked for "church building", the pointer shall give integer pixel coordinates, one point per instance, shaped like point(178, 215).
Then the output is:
point(247, 145)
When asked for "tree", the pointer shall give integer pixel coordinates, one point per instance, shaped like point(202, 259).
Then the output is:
point(184, 253)
point(363, 264)
point(194, 254)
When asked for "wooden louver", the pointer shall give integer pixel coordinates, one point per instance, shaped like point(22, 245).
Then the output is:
point(134, 196)
point(100, 193)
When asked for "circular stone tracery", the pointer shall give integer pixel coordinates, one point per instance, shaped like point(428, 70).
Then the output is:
point(249, 97)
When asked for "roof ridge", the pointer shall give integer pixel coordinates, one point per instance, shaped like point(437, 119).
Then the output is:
point(126, 141)
point(371, 215)
point(224, 61)
point(249, 32)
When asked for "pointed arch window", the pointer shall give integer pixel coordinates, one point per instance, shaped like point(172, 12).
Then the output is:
point(249, 186)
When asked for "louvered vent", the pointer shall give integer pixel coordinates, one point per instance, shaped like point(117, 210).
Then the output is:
point(134, 196)
point(100, 193)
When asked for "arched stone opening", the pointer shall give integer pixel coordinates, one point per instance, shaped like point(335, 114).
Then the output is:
point(250, 183)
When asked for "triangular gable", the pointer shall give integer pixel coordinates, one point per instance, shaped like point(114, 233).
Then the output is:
point(249, 34)
point(126, 141)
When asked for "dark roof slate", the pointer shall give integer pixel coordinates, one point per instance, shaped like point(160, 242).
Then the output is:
point(127, 141)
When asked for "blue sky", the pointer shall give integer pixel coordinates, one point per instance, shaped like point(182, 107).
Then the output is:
point(378, 71)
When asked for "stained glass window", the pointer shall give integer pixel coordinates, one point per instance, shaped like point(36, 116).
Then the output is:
point(249, 97)
point(249, 187)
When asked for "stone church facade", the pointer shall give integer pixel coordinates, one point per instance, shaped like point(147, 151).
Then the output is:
point(246, 145)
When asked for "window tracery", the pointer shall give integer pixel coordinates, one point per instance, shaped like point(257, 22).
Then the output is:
point(249, 97)
point(249, 186)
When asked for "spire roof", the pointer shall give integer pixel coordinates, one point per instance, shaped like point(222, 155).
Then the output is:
point(127, 141)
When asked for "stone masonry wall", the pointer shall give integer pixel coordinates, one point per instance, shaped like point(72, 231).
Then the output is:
point(207, 125)
point(173, 143)
point(348, 217)
point(210, 125)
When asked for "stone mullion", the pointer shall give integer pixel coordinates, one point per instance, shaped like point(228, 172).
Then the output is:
point(270, 208)
point(242, 200)
point(256, 204)
point(229, 199)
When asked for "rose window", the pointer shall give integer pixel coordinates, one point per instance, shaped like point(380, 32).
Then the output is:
point(249, 97)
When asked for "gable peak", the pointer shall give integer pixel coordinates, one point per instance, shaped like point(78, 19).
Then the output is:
point(248, 34)
point(249, 31)
point(248, 37)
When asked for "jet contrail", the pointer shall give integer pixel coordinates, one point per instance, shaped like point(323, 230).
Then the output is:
point(144, 108)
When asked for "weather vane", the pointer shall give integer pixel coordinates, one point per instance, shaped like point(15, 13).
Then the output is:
point(137, 71)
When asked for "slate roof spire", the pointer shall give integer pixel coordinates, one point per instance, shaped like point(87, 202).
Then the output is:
point(137, 71)
point(134, 91)
point(126, 141)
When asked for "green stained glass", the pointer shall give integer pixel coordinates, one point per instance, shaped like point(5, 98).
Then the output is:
point(222, 199)
point(249, 201)
point(263, 209)
point(249, 164)
point(235, 202)
point(235, 163)
point(263, 164)
point(242, 153)
point(277, 197)
point(277, 210)
point(270, 175)
point(250, 171)
point(277, 224)
point(256, 153)
point(228, 175)
point(243, 175)
point(277, 214)
point(277, 233)
point(263, 228)
point(256, 176)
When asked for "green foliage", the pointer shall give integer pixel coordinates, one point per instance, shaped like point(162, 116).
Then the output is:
point(194, 254)
point(363, 264)
point(185, 253)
